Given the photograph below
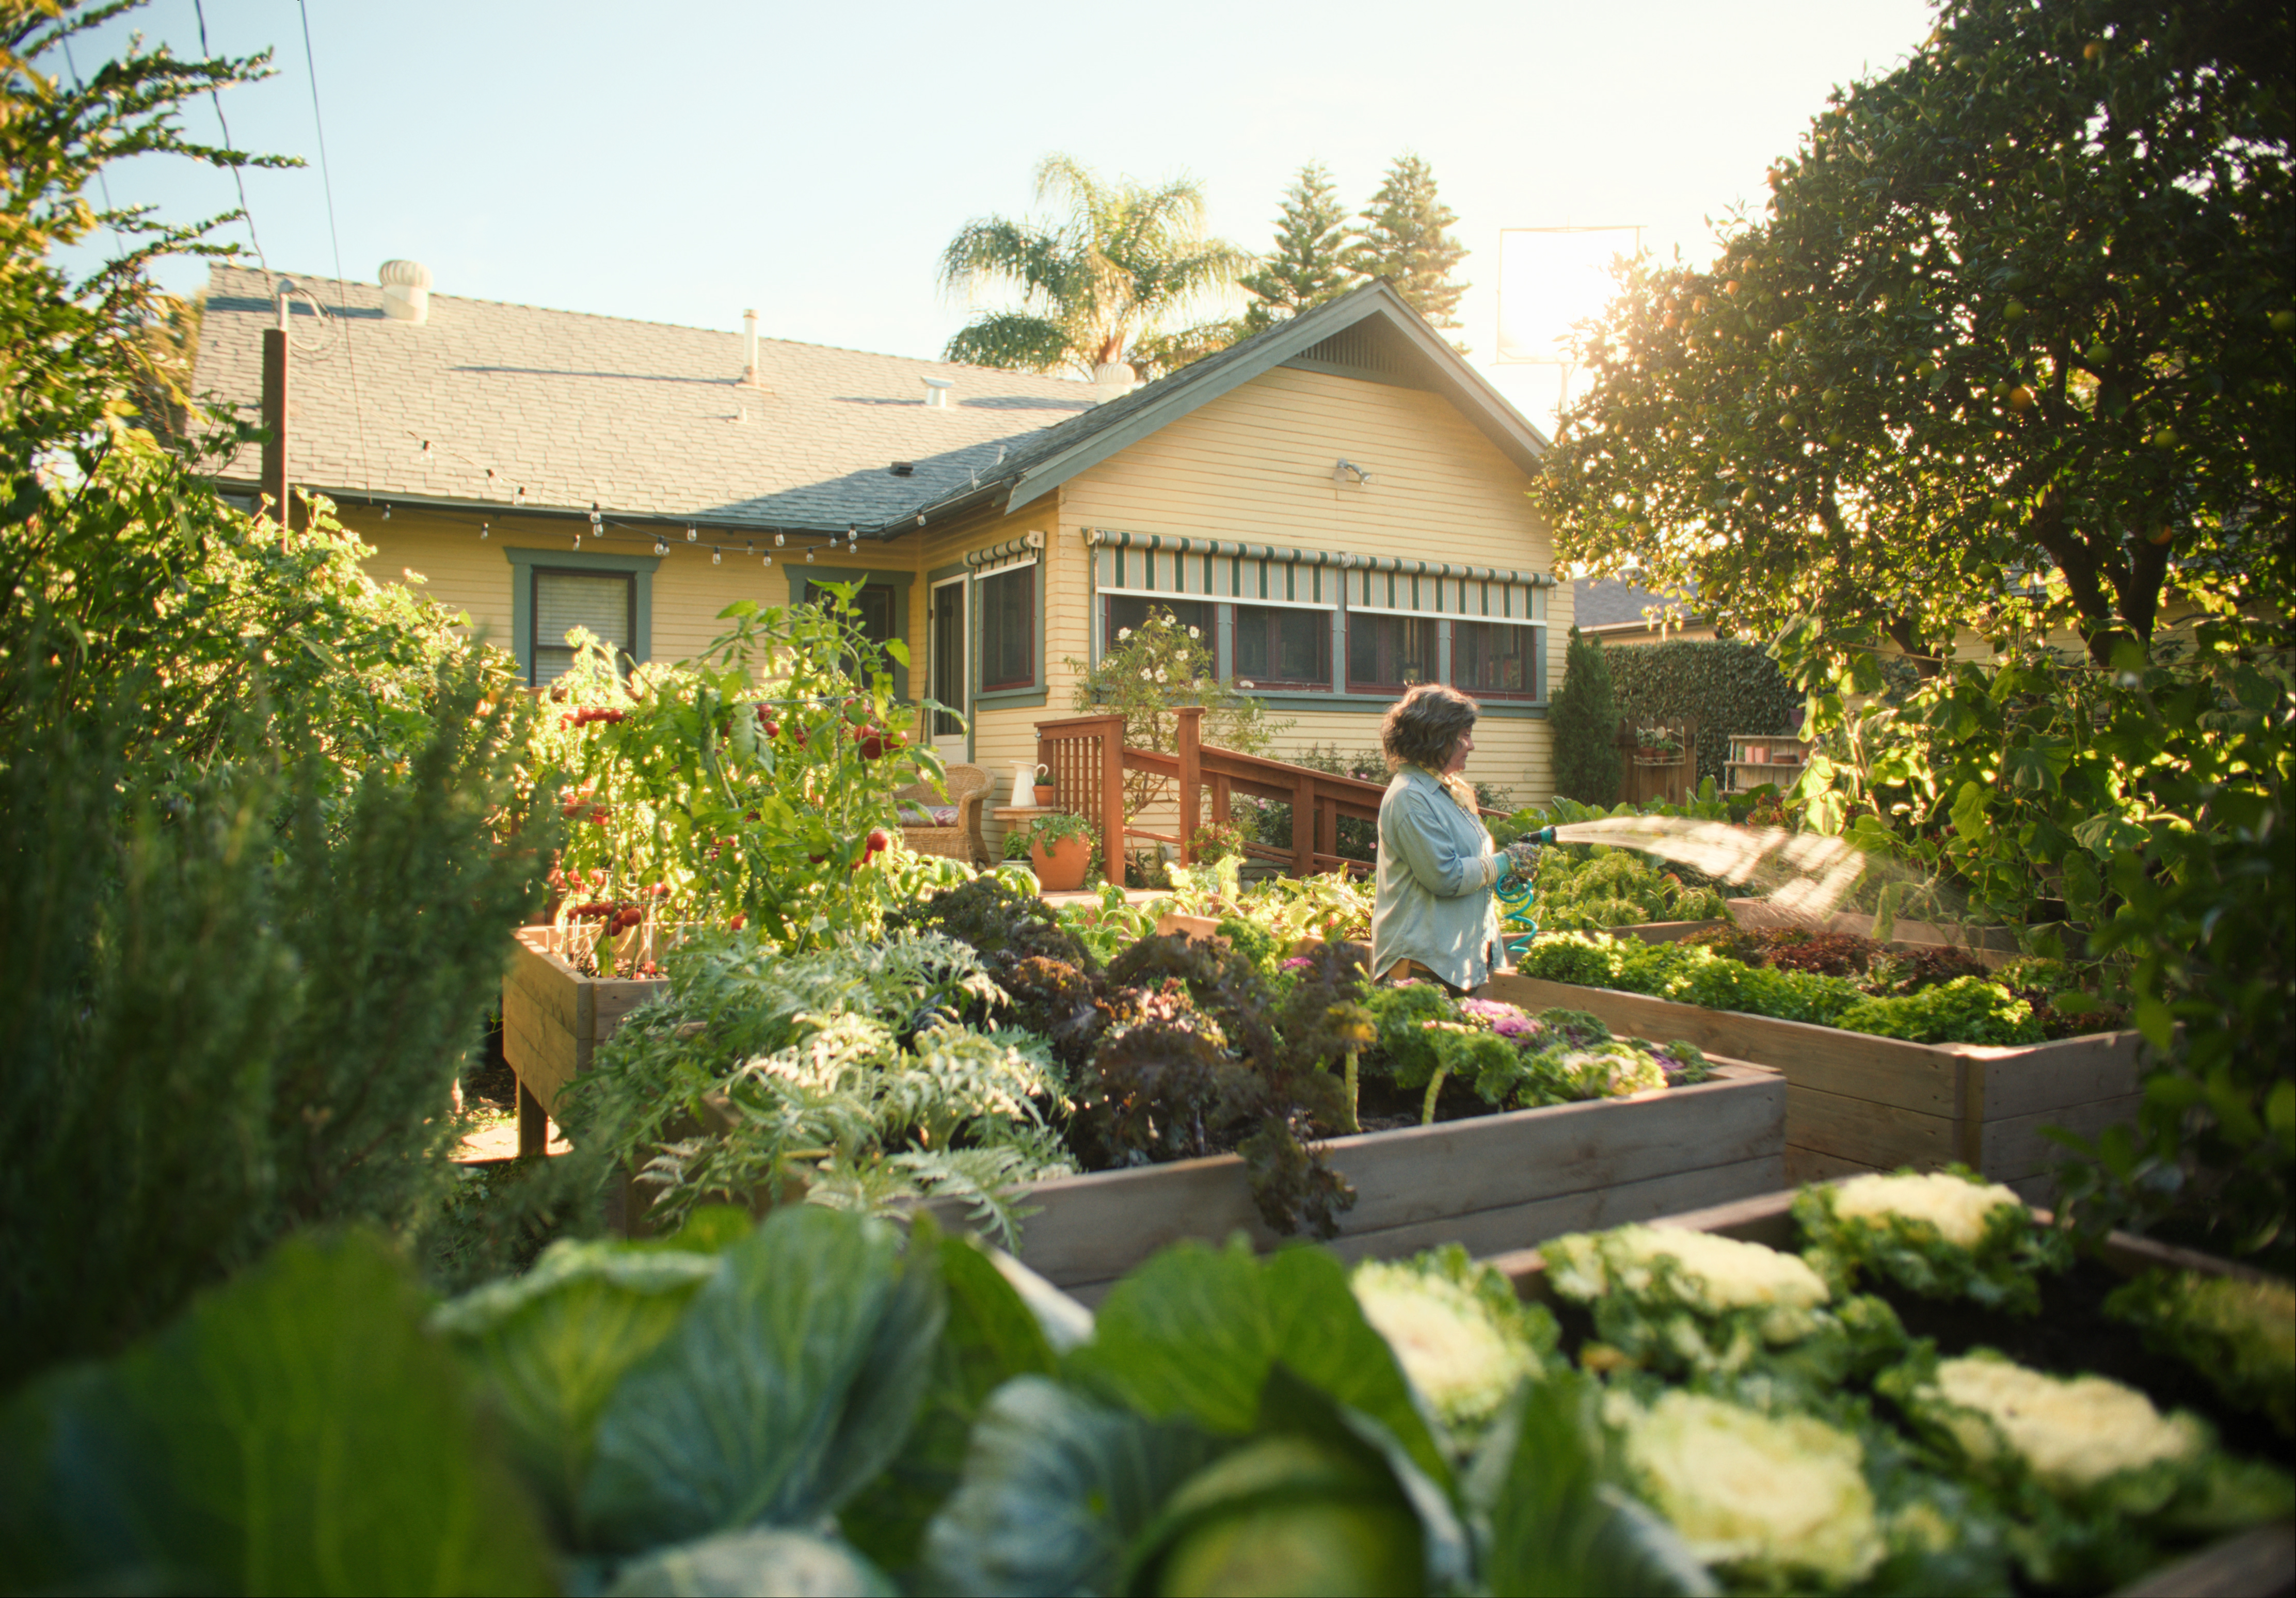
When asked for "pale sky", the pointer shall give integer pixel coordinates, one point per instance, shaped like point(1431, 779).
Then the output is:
point(812, 161)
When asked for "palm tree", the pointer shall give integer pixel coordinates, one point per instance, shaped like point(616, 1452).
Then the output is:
point(1098, 286)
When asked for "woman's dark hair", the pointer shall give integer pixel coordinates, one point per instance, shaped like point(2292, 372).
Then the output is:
point(1426, 725)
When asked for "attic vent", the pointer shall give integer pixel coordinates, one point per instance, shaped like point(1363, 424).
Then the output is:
point(903, 469)
point(1361, 348)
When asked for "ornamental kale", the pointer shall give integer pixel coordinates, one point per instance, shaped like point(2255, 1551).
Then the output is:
point(1943, 1235)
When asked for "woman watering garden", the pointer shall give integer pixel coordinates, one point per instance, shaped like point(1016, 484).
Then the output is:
point(1433, 914)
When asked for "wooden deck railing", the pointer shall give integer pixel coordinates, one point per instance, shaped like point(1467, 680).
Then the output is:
point(1087, 759)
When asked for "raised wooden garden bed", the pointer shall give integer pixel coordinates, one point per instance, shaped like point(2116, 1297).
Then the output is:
point(2259, 1560)
point(1856, 1103)
point(553, 1020)
point(1486, 1183)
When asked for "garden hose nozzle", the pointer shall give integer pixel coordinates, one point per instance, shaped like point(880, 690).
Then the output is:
point(1544, 835)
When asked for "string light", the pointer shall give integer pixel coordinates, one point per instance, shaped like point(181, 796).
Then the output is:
point(659, 548)
point(809, 557)
point(690, 534)
point(485, 527)
point(716, 555)
point(779, 540)
point(577, 540)
point(386, 513)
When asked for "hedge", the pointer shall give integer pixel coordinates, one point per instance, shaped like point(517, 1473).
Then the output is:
point(1729, 688)
point(1585, 719)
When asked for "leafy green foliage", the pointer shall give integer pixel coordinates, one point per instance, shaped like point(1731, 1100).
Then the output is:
point(2239, 1334)
point(1584, 716)
point(1728, 689)
point(1592, 886)
point(752, 786)
point(2148, 808)
point(1113, 274)
point(1963, 1010)
point(294, 1432)
point(845, 1074)
point(2013, 341)
point(1308, 264)
point(1404, 236)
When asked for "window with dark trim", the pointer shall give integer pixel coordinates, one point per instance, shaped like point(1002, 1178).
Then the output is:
point(605, 602)
point(1387, 654)
point(1496, 660)
point(1008, 628)
point(1276, 647)
point(1122, 613)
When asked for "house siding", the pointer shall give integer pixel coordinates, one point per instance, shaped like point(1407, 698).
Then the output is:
point(1255, 465)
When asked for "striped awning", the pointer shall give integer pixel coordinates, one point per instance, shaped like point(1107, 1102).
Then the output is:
point(1012, 552)
point(1219, 569)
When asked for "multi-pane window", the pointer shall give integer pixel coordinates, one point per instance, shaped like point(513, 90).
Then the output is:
point(1278, 646)
point(605, 603)
point(1387, 654)
point(1008, 628)
point(1496, 658)
point(1123, 612)
point(948, 659)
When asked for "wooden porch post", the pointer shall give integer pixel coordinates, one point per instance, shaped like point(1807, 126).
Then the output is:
point(1191, 779)
point(1111, 800)
point(1303, 825)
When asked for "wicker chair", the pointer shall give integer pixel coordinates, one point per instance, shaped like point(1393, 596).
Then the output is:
point(968, 790)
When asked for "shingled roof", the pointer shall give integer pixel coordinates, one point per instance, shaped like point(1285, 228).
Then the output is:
point(642, 418)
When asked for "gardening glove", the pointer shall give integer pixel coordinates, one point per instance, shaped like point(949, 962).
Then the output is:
point(1517, 861)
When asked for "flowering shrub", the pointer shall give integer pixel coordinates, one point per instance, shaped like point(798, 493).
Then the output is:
point(753, 786)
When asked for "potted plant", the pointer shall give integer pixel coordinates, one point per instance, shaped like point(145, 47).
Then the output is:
point(1060, 847)
point(1048, 791)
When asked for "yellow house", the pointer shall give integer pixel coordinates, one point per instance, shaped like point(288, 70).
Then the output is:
point(1340, 503)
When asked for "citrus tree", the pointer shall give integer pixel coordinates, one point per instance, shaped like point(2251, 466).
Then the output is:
point(2012, 345)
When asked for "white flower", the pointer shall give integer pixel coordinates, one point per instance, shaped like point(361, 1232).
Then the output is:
point(1122, 634)
point(1784, 1494)
point(1193, 633)
point(2073, 1432)
point(1956, 1206)
point(1160, 673)
point(1245, 683)
point(1445, 1340)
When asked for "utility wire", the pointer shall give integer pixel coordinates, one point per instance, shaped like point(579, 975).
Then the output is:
point(327, 182)
point(246, 214)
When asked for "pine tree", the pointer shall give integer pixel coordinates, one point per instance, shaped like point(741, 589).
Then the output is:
point(1308, 264)
point(1585, 717)
point(1402, 237)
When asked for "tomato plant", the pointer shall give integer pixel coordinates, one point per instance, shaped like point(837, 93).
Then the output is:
point(753, 786)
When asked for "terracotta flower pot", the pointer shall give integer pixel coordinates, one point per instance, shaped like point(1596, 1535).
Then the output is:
point(1062, 870)
point(1046, 794)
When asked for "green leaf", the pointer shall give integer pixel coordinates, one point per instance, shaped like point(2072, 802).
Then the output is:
point(989, 1338)
point(1056, 1489)
point(1970, 822)
point(753, 1564)
point(552, 1346)
point(1556, 1525)
point(792, 1379)
point(1195, 1331)
point(295, 1431)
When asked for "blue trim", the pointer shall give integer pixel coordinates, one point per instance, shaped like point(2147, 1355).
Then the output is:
point(522, 595)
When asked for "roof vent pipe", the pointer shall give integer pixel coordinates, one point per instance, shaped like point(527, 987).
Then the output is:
point(749, 348)
point(405, 292)
point(937, 392)
point(1112, 379)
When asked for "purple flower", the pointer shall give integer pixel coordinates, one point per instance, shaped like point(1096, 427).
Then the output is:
point(1516, 1026)
point(1298, 963)
point(1490, 1010)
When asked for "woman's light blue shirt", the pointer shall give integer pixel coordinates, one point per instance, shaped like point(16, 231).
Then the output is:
point(1436, 871)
